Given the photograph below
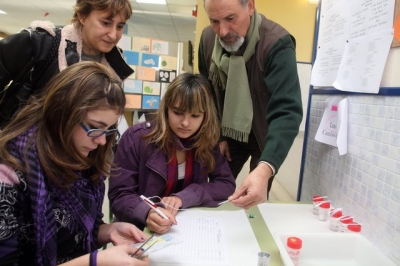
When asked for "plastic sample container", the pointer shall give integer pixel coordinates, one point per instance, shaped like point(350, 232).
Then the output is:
point(344, 221)
point(334, 222)
point(333, 249)
point(316, 200)
point(323, 211)
point(294, 245)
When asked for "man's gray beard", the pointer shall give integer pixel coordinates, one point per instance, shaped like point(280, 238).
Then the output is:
point(231, 48)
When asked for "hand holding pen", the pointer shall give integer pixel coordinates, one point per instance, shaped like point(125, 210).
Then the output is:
point(158, 220)
point(154, 207)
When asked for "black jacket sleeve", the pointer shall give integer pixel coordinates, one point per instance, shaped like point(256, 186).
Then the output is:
point(15, 52)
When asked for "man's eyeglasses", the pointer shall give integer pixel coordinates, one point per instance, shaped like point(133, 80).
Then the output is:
point(94, 133)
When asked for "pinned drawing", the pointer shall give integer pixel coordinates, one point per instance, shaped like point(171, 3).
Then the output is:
point(168, 62)
point(150, 102)
point(132, 86)
point(166, 75)
point(146, 73)
point(131, 57)
point(152, 88)
point(150, 60)
point(133, 101)
point(141, 44)
point(159, 47)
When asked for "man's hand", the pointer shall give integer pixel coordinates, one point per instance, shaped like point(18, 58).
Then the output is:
point(254, 188)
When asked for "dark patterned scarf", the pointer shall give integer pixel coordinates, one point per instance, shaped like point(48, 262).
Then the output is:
point(42, 207)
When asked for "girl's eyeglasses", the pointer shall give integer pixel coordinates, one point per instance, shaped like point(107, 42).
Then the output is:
point(94, 133)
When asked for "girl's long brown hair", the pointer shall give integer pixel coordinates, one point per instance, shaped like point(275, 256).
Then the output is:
point(66, 99)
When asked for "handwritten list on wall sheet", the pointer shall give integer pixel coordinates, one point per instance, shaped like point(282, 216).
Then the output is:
point(354, 39)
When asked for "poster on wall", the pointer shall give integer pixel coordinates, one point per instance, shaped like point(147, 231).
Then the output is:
point(141, 44)
point(131, 58)
point(146, 73)
point(133, 101)
point(133, 86)
point(150, 102)
point(167, 62)
point(166, 75)
point(150, 60)
point(151, 88)
point(159, 47)
point(333, 127)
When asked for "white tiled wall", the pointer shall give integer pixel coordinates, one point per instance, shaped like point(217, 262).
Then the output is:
point(366, 181)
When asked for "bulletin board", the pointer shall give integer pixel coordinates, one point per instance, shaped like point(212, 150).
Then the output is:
point(390, 82)
point(155, 64)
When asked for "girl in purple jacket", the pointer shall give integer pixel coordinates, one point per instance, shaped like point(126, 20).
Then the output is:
point(173, 159)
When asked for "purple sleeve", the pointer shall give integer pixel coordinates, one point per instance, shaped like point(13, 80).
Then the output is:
point(123, 190)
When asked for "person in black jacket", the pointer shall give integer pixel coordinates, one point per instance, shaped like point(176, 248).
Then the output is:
point(30, 58)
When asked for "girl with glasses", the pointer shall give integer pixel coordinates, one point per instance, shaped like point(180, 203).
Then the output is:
point(174, 157)
point(52, 172)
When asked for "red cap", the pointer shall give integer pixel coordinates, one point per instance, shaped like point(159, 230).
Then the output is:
point(317, 198)
point(336, 213)
point(294, 242)
point(325, 205)
point(346, 219)
point(354, 227)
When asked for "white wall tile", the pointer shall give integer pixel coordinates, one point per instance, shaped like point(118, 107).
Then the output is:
point(366, 181)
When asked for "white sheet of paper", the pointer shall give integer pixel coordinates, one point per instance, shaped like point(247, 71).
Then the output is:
point(368, 17)
point(363, 62)
point(333, 33)
point(333, 127)
point(219, 238)
point(353, 43)
point(327, 129)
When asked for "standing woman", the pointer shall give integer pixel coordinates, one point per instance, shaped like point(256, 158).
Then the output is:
point(175, 158)
point(96, 28)
point(54, 157)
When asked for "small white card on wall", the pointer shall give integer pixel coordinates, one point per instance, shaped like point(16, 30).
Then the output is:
point(333, 127)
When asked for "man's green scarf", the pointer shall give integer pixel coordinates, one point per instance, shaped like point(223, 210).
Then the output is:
point(230, 73)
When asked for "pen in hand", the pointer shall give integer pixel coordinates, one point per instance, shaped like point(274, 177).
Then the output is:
point(154, 207)
point(220, 203)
